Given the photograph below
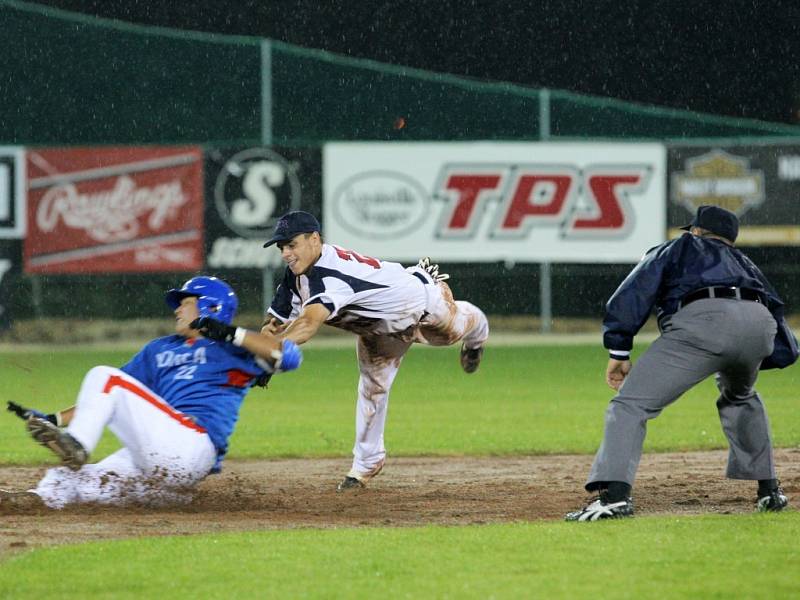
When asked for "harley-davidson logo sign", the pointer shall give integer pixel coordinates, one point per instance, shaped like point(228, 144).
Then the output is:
point(718, 178)
point(94, 210)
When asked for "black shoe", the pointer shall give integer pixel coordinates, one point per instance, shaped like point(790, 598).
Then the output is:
point(350, 483)
point(471, 359)
point(601, 508)
point(775, 501)
point(355, 480)
point(70, 450)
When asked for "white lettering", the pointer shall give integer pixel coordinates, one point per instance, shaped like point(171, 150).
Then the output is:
point(693, 187)
point(259, 204)
point(238, 252)
point(200, 356)
point(110, 215)
point(168, 358)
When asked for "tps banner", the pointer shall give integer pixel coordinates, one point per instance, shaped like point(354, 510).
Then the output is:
point(12, 192)
point(482, 202)
point(247, 189)
point(761, 184)
point(114, 210)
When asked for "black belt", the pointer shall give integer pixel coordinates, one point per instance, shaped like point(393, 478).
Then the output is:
point(722, 292)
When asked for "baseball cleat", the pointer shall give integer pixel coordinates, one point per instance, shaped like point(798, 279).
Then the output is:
point(355, 480)
point(601, 508)
point(70, 450)
point(432, 269)
point(471, 358)
point(350, 483)
point(776, 501)
point(20, 500)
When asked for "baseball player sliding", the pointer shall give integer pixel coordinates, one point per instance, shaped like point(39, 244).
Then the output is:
point(387, 306)
point(173, 407)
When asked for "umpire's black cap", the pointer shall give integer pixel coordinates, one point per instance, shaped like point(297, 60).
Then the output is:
point(292, 224)
point(716, 220)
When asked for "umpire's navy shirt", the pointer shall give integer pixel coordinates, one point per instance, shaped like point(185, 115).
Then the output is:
point(670, 271)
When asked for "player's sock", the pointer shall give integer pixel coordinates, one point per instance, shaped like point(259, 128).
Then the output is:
point(767, 486)
point(618, 491)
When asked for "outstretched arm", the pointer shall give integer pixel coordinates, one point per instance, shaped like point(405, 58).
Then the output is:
point(307, 324)
point(59, 418)
point(272, 353)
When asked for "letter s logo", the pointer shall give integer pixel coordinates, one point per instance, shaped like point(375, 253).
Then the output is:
point(253, 188)
point(259, 202)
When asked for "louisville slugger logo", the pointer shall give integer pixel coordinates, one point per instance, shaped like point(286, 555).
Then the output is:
point(592, 202)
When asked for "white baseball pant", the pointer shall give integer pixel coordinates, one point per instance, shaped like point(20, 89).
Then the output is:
point(447, 321)
point(164, 452)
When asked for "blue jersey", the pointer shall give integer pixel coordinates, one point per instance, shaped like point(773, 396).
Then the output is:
point(199, 377)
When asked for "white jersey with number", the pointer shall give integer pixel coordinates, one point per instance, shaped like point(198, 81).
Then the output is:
point(364, 295)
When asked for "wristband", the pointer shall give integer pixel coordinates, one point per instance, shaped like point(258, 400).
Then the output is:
point(619, 354)
point(59, 421)
point(238, 336)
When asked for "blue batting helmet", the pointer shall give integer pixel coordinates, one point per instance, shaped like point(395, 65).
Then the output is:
point(215, 298)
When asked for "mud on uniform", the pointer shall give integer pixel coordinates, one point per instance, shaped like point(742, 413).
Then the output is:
point(173, 408)
point(388, 307)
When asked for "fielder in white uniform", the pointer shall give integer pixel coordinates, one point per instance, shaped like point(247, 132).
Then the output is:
point(173, 407)
point(386, 305)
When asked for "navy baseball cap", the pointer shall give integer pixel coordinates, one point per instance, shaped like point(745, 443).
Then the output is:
point(292, 224)
point(716, 220)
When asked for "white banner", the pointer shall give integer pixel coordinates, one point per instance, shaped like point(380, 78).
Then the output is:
point(485, 202)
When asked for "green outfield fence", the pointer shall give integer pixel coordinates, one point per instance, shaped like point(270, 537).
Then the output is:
point(69, 79)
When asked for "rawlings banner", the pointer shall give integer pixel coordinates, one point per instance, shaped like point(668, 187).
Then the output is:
point(490, 201)
point(114, 210)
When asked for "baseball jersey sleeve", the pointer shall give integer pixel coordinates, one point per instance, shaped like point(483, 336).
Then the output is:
point(332, 292)
point(286, 304)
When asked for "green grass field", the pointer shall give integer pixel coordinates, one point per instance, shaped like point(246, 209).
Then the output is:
point(524, 400)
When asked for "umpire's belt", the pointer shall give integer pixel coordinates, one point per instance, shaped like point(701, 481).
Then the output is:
point(722, 292)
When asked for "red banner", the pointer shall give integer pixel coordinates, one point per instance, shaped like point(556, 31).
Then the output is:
point(114, 210)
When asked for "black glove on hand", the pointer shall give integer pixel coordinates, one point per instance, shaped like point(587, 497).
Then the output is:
point(26, 413)
point(213, 329)
point(263, 380)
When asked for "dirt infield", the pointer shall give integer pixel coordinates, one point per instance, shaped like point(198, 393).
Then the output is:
point(282, 494)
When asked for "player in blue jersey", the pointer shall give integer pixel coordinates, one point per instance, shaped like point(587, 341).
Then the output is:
point(387, 306)
point(173, 406)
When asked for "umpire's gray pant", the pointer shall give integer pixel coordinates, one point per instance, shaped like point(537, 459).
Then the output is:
point(714, 335)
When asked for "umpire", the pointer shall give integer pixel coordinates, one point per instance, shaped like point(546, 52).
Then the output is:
point(717, 313)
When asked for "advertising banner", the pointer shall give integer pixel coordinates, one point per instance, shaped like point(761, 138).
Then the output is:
point(12, 192)
point(247, 189)
point(485, 202)
point(114, 210)
point(761, 184)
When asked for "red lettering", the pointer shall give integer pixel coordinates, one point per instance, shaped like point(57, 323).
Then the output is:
point(351, 255)
point(603, 189)
point(523, 203)
point(468, 189)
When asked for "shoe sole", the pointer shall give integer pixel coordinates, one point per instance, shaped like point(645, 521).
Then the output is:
point(49, 436)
